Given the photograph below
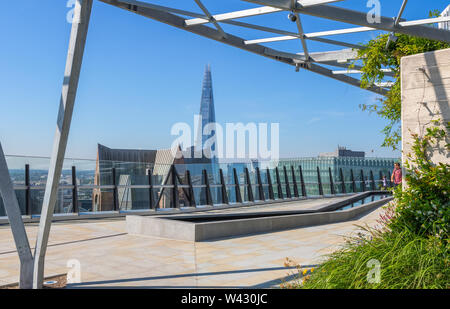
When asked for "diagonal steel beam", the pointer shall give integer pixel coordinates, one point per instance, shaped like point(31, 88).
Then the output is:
point(202, 30)
point(74, 59)
point(302, 37)
point(210, 18)
point(360, 18)
point(16, 223)
point(344, 78)
point(250, 12)
point(397, 20)
point(233, 22)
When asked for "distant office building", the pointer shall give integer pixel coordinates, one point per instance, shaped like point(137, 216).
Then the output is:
point(344, 152)
point(445, 25)
point(347, 160)
point(132, 167)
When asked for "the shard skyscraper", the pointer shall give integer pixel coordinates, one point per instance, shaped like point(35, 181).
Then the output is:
point(207, 112)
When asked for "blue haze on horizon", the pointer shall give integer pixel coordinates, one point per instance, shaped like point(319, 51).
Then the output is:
point(140, 77)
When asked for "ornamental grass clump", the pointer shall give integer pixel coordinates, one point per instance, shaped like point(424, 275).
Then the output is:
point(410, 243)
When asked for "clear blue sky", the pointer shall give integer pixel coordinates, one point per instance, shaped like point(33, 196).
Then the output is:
point(139, 77)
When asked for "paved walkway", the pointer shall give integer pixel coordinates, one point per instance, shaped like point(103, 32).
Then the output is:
point(110, 257)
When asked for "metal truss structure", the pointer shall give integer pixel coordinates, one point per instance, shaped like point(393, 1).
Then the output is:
point(324, 63)
point(210, 26)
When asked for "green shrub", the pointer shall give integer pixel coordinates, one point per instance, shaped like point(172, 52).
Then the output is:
point(412, 245)
point(423, 206)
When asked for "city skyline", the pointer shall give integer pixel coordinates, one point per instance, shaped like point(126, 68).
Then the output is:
point(131, 104)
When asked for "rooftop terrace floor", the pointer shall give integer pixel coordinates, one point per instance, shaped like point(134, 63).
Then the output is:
point(111, 258)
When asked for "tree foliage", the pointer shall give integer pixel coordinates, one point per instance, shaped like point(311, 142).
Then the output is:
point(376, 57)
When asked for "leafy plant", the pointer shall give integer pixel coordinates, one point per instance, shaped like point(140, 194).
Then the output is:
point(424, 205)
point(376, 57)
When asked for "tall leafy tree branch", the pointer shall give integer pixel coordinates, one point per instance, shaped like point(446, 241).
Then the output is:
point(376, 57)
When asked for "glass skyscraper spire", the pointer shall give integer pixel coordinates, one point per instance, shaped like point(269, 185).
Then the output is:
point(207, 111)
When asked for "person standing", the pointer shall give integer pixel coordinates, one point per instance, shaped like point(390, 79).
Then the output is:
point(396, 177)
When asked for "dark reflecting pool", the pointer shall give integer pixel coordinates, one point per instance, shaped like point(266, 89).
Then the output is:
point(369, 199)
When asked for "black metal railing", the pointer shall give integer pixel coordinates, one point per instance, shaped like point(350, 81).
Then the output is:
point(178, 192)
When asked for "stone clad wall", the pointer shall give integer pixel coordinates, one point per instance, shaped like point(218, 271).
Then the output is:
point(425, 97)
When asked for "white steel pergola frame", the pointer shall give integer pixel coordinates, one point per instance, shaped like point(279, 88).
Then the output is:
point(197, 23)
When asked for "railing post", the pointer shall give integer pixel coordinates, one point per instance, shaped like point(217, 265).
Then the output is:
point(294, 181)
point(363, 181)
point(260, 185)
point(286, 180)
point(352, 179)
point(175, 193)
point(115, 193)
point(372, 180)
point(150, 190)
point(341, 174)
point(28, 211)
point(249, 186)
point(333, 191)
point(237, 187)
point(280, 189)
point(224, 188)
point(191, 189)
point(269, 181)
point(319, 180)
point(381, 180)
point(208, 189)
point(302, 182)
point(76, 209)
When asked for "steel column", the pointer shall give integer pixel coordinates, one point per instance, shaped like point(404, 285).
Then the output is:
point(76, 209)
point(150, 190)
point(115, 192)
point(28, 211)
point(16, 223)
point(175, 193)
point(77, 42)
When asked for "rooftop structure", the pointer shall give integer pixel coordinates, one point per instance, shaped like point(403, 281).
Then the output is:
point(343, 152)
point(335, 63)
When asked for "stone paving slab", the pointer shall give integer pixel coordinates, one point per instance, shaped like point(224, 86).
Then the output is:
point(111, 258)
